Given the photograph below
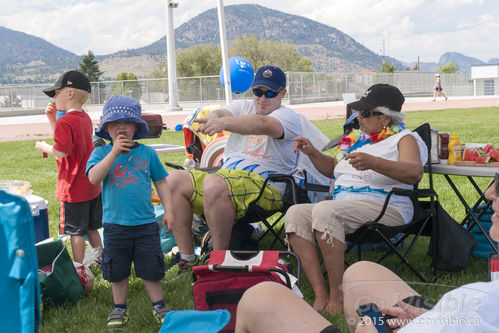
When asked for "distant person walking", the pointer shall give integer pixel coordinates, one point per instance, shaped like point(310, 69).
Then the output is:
point(437, 89)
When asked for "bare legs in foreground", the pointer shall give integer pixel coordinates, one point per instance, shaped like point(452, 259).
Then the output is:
point(271, 307)
point(367, 282)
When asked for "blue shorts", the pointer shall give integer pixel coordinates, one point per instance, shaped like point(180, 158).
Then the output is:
point(140, 244)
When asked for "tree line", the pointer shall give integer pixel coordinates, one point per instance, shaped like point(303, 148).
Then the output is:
point(204, 60)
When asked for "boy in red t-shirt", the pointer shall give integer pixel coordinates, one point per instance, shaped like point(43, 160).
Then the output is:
point(80, 202)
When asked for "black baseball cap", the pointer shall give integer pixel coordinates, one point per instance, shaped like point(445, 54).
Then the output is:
point(379, 95)
point(271, 77)
point(72, 79)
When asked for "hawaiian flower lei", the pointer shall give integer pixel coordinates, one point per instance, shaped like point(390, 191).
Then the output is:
point(357, 138)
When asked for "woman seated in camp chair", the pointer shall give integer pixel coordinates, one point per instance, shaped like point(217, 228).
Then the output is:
point(368, 163)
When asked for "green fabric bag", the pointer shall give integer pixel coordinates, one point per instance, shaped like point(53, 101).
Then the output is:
point(59, 281)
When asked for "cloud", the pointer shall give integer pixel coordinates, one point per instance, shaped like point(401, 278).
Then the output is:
point(408, 27)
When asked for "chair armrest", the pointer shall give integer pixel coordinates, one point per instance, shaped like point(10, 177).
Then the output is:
point(316, 187)
point(419, 193)
point(281, 178)
point(179, 167)
point(174, 166)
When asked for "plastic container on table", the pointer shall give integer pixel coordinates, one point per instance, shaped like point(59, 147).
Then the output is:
point(38, 206)
point(455, 153)
point(19, 187)
point(444, 145)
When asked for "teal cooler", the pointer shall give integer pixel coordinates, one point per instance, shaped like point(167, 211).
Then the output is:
point(167, 239)
point(40, 217)
point(483, 248)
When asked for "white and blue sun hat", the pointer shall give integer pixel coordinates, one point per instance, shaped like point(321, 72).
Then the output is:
point(122, 109)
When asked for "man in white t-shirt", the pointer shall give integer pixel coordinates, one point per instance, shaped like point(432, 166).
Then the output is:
point(260, 143)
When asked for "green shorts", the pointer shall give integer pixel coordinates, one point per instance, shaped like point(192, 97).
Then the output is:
point(244, 187)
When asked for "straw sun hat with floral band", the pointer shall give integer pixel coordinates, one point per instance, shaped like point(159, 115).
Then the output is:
point(122, 109)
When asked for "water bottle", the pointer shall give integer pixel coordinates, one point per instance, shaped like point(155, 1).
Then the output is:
point(330, 194)
point(189, 163)
point(299, 176)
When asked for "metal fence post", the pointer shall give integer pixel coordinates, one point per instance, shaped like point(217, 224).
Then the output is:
point(201, 89)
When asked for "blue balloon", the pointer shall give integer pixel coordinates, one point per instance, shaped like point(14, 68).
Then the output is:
point(241, 75)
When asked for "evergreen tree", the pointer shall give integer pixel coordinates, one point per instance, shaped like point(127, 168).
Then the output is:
point(387, 67)
point(90, 67)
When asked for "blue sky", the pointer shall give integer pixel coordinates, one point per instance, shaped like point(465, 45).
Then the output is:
point(409, 28)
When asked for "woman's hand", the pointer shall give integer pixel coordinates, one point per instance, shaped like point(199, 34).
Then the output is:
point(361, 161)
point(304, 145)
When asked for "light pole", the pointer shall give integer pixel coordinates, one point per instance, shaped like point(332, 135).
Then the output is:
point(225, 54)
point(170, 51)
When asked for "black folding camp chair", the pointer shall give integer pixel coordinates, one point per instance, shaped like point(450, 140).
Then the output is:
point(422, 223)
point(292, 195)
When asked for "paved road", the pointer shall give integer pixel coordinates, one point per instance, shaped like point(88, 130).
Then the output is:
point(37, 127)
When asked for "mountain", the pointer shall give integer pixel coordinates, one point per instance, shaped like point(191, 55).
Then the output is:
point(26, 58)
point(328, 48)
point(463, 62)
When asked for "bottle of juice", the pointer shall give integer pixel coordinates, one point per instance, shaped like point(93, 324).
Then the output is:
point(454, 149)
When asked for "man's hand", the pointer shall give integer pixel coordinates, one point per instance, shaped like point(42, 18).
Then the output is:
point(361, 161)
point(210, 126)
point(121, 145)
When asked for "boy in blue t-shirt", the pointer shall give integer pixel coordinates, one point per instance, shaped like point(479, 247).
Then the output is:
point(131, 233)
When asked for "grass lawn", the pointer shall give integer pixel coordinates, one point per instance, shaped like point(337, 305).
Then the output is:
point(20, 161)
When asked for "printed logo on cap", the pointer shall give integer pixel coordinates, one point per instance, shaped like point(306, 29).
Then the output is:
point(267, 73)
point(366, 93)
point(69, 82)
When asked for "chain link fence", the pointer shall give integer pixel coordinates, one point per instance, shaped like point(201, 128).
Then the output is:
point(307, 87)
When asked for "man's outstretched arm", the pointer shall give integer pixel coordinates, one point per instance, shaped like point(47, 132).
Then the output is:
point(249, 124)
